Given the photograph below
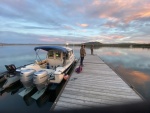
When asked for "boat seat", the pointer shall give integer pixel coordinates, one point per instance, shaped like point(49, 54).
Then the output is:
point(55, 63)
point(42, 64)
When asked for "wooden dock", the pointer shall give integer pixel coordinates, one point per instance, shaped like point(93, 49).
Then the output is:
point(96, 85)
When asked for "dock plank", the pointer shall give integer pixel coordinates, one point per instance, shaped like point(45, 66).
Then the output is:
point(96, 85)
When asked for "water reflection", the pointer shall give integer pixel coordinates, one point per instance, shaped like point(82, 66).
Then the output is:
point(12, 89)
point(138, 80)
point(129, 58)
point(132, 65)
point(10, 94)
point(48, 96)
point(28, 99)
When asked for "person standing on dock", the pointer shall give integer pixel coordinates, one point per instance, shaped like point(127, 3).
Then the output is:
point(92, 47)
point(82, 54)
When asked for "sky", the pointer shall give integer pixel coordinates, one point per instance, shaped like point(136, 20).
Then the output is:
point(74, 21)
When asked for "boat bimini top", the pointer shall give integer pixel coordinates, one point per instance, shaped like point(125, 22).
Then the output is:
point(47, 48)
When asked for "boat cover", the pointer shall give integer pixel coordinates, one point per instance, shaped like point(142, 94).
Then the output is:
point(47, 48)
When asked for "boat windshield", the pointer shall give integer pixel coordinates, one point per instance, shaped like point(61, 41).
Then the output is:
point(41, 54)
point(50, 54)
point(57, 54)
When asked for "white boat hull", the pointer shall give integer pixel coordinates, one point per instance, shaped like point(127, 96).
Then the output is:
point(58, 79)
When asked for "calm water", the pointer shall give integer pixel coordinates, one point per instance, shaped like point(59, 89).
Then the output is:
point(133, 65)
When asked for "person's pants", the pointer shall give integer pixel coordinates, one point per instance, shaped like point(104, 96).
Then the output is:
point(81, 61)
point(91, 51)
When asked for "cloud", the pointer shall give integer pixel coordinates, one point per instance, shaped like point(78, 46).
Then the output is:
point(52, 40)
point(110, 24)
point(138, 15)
point(13, 37)
point(23, 10)
point(120, 10)
point(82, 25)
point(68, 27)
point(104, 20)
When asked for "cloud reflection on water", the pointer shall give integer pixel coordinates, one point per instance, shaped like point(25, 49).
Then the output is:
point(132, 65)
point(133, 75)
point(140, 81)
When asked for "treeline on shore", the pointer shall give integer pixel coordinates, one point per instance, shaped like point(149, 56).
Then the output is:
point(127, 45)
point(123, 45)
point(4, 44)
point(96, 45)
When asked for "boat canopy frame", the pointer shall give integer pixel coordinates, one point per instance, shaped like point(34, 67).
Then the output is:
point(47, 48)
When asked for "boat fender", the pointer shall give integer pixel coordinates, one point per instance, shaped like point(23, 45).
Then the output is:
point(66, 77)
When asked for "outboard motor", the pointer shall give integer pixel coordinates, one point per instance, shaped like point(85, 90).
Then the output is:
point(11, 77)
point(40, 79)
point(26, 77)
point(11, 68)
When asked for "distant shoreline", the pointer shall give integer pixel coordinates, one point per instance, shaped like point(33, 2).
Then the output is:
point(27, 44)
point(96, 45)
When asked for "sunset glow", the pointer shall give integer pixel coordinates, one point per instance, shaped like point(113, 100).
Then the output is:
point(61, 21)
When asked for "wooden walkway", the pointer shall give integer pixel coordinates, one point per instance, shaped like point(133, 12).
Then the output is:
point(96, 85)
